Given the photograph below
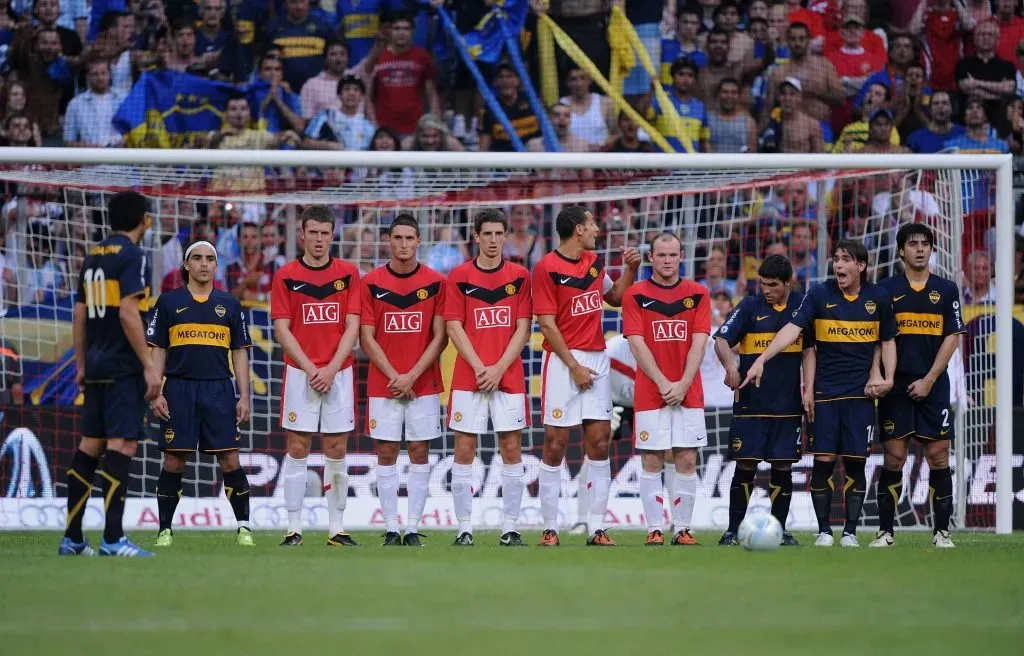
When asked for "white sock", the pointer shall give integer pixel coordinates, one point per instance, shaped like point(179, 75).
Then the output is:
point(650, 496)
point(293, 475)
point(387, 492)
point(670, 483)
point(511, 494)
point(549, 485)
point(600, 483)
point(462, 496)
point(583, 492)
point(682, 505)
point(419, 488)
point(336, 491)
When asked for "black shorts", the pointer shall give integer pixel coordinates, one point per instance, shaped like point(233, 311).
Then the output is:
point(765, 438)
point(927, 420)
point(843, 427)
point(202, 416)
point(115, 409)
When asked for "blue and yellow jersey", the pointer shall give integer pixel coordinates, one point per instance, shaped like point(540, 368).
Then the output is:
point(977, 188)
point(672, 50)
point(693, 120)
point(302, 47)
point(246, 15)
point(924, 317)
point(846, 330)
point(113, 270)
point(198, 332)
point(752, 326)
point(359, 22)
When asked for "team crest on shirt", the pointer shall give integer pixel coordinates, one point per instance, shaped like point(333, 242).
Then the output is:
point(168, 436)
point(888, 427)
point(457, 417)
point(870, 307)
point(736, 444)
point(510, 289)
point(339, 285)
point(292, 416)
point(644, 435)
point(220, 310)
point(557, 413)
point(422, 294)
point(311, 27)
point(688, 303)
point(373, 424)
point(934, 297)
point(593, 272)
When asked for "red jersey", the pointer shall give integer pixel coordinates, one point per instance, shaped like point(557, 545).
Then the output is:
point(856, 63)
point(945, 47)
point(317, 301)
point(573, 291)
point(667, 318)
point(1011, 33)
point(402, 307)
point(488, 303)
point(870, 42)
point(398, 88)
point(812, 20)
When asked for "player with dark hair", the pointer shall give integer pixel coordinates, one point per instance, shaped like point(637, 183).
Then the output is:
point(570, 288)
point(667, 321)
point(927, 310)
point(114, 371)
point(766, 421)
point(315, 306)
point(191, 332)
point(489, 311)
point(403, 334)
point(852, 321)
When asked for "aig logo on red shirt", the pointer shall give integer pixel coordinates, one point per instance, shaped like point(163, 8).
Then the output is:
point(403, 322)
point(493, 317)
point(670, 330)
point(321, 313)
point(586, 303)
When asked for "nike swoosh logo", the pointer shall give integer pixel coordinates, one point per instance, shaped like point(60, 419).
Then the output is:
point(298, 287)
point(382, 294)
point(648, 303)
point(764, 317)
point(896, 298)
point(943, 432)
point(565, 280)
point(471, 290)
point(180, 310)
point(829, 306)
point(520, 420)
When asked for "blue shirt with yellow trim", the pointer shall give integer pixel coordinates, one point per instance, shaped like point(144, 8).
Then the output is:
point(672, 50)
point(752, 326)
point(846, 330)
point(113, 270)
point(977, 188)
point(359, 22)
point(302, 46)
point(197, 333)
point(693, 121)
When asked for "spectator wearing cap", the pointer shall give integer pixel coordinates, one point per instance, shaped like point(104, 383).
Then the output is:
point(855, 134)
point(302, 36)
point(1011, 28)
point(719, 68)
point(693, 116)
point(345, 128)
point(592, 117)
point(516, 107)
point(853, 63)
point(628, 140)
point(321, 92)
point(88, 121)
point(432, 135)
point(940, 127)
point(880, 129)
point(792, 130)
point(684, 45)
point(870, 40)
point(984, 74)
point(819, 81)
point(730, 128)
point(403, 86)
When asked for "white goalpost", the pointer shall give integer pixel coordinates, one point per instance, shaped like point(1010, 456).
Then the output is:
point(730, 210)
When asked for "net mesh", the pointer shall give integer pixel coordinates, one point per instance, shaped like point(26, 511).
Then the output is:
point(729, 220)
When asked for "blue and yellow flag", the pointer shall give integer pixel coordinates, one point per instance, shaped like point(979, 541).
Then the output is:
point(167, 109)
point(487, 41)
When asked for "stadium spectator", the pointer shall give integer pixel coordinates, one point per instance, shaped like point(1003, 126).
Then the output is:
point(403, 86)
point(249, 277)
point(586, 23)
point(1009, 124)
point(214, 38)
point(819, 83)
point(592, 117)
point(43, 277)
point(45, 15)
point(47, 80)
point(14, 99)
point(932, 137)
point(272, 243)
point(114, 44)
point(561, 120)
point(855, 134)
point(910, 102)
point(853, 63)
point(19, 132)
point(984, 74)
point(279, 110)
point(944, 27)
point(628, 140)
point(870, 40)
point(739, 45)
point(880, 129)
point(524, 245)
point(302, 36)
point(181, 55)
point(730, 127)
point(344, 128)
point(720, 67)
point(980, 287)
point(447, 248)
point(647, 18)
point(431, 135)
point(493, 136)
point(8, 281)
point(359, 25)
point(1011, 28)
point(778, 27)
point(902, 55)
point(166, 238)
point(321, 92)
point(792, 131)
point(237, 135)
point(89, 119)
point(693, 116)
point(803, 254)
point(712, 373)
point(684, 45)
point(796, 13)
point(11, 390)
point(715, 278)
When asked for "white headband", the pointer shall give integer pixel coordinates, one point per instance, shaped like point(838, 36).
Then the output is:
point(191, 248)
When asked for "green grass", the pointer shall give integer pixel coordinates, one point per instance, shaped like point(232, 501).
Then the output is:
point(207, 596)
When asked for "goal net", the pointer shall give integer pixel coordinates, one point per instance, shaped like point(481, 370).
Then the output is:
point(728, 218)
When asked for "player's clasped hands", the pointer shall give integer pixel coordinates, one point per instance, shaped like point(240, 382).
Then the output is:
point(631, 258)
point(877, 387)
point(322, 379)
point(401, 387)
point(488, 378)
point(583, 377)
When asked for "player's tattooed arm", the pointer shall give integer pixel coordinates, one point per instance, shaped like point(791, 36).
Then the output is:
point(786, 336)
point(582, 377)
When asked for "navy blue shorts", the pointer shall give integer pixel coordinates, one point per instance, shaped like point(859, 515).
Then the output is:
point(765, 438)
point(115, 409)
point(844, 427)
point(927, 420)
point(202, 416)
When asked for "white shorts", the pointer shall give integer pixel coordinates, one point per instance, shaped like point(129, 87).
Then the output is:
point(622, 388)
point(421, 418)
point(671, 427)
point(307, 411)
point(564, 404)
point(468, 411)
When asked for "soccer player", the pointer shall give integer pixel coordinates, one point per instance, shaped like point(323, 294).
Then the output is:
point(191, 332)
point(569, 285)
point(315, 306)
point(403, 333)
point(849, 318)
point(115, 372)
point(667, 321)
point(927, 310)
point(489, 311)
point(766, 422)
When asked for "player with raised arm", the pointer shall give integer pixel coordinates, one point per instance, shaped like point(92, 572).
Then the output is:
point(850, 318)
point(766, 421)
point(115, 373)
point(403, 333)
point(191, 332)
point(315, 305)
point(489, 311)
point(667, 321)
point(569, 285)
point(927, 310)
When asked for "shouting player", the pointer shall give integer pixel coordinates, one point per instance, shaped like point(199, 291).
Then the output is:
point(667, 321)
point(849, 317)
point(403, 334)
point(115, 372)
point(569, 285)
point(766, 420)
point(927, 310)
point(489, 311)
point(191, 332)
point(315, 306)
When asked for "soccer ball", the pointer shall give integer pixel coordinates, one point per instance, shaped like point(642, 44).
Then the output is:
point(760, 532)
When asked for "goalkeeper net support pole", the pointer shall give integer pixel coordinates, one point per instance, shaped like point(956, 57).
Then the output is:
point(749, 204)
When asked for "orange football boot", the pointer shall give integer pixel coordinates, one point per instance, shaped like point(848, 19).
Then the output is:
point(683, 538)
point(548, 539)
point(654, 539)
point(600, 539)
